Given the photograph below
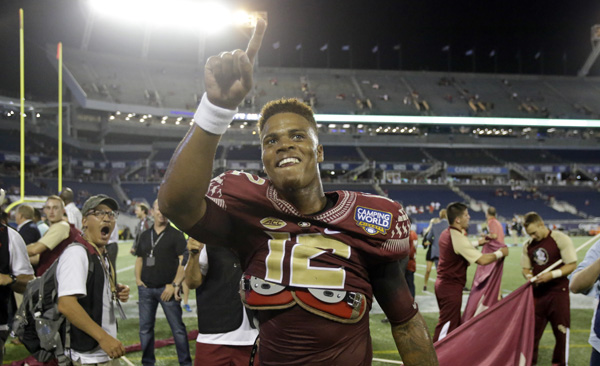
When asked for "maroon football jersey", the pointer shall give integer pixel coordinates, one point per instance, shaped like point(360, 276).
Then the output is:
point(452, 267)
point(543, 254)
point(332, 249)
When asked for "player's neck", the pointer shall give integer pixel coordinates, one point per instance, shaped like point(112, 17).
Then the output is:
point(458, 227)
point(308, 201)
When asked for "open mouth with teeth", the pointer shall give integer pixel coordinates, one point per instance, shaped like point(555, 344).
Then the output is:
point(105, 231)
point(288, 162)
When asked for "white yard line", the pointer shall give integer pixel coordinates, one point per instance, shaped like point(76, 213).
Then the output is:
point(125, 269)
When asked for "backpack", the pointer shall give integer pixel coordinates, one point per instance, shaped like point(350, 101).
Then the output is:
point(38, 324)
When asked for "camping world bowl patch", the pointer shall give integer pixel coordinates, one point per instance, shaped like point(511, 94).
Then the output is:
point(373, 221)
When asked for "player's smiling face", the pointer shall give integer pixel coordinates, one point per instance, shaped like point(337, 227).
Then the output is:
point(291, 152)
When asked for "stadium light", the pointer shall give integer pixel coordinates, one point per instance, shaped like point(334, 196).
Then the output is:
point(459, 121)
point(210, 17)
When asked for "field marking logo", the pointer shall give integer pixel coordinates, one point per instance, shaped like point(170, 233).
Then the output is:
point(373, 221)
point(272, 223)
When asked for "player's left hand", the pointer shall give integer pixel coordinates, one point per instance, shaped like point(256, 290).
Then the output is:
point(122, 292)
point(168, 293)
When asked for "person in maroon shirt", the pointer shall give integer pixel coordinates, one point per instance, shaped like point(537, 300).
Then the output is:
point(551, 289)
point(312, 260)
point(485, 291)
point(411, 266)
point(456, 254)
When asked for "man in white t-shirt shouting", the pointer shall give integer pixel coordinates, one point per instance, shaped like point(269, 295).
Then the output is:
point(88, 294)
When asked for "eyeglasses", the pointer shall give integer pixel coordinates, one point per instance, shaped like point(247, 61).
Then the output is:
point(102, 213)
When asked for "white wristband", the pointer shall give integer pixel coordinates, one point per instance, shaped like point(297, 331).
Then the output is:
point(498, 253)
point(556, 273)
point(212, 118)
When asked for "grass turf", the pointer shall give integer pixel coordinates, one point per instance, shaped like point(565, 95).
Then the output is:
point(383, 344)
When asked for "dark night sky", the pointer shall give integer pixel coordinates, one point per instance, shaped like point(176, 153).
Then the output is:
point(422, 28)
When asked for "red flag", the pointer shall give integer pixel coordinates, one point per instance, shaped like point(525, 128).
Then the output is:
point(502, 335)
point(486, 284)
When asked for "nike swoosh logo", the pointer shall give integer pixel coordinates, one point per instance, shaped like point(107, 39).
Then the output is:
point(331, 232)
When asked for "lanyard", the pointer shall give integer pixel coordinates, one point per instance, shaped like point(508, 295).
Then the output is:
point(155, 243)
point(110, 274)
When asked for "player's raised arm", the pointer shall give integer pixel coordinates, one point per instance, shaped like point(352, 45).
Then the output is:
point(228, 79)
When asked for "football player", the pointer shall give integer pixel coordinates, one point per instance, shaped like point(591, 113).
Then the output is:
point(312, 260)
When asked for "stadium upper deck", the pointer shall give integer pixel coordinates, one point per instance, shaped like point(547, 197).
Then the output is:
point(111, 83)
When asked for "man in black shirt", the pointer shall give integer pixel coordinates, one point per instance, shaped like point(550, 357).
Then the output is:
point(159, 273)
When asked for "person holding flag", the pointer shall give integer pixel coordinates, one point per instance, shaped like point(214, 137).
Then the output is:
point(485, 291)
point(456, 254)
point(544, 248)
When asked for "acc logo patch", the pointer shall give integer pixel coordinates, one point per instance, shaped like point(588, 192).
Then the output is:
point(373, 221)
point(540, 256)
point(272, 223)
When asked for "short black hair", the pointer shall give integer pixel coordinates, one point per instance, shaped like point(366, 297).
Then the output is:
point(454, 210)
point(286, 105)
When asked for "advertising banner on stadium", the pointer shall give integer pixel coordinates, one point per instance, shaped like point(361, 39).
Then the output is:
point(548, 168)
point(468, 170)
point(403, 167)
point(502, 335)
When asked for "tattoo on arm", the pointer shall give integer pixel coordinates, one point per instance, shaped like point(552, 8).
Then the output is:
point(414, 343)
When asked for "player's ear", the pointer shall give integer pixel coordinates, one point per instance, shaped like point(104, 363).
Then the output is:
point(320, 154)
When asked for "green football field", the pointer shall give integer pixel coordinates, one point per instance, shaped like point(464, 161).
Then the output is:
point(383, 344)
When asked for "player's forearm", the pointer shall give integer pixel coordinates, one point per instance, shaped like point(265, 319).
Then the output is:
point(21, 284)
point(564, 270)
point(583, 280)
point(180, 274)
point(486, 259)
point(181, 196)
point(193, 275)
point(36, 248)
point(414, 343)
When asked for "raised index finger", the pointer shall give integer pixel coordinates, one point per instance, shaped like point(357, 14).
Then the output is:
point(256, 40)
